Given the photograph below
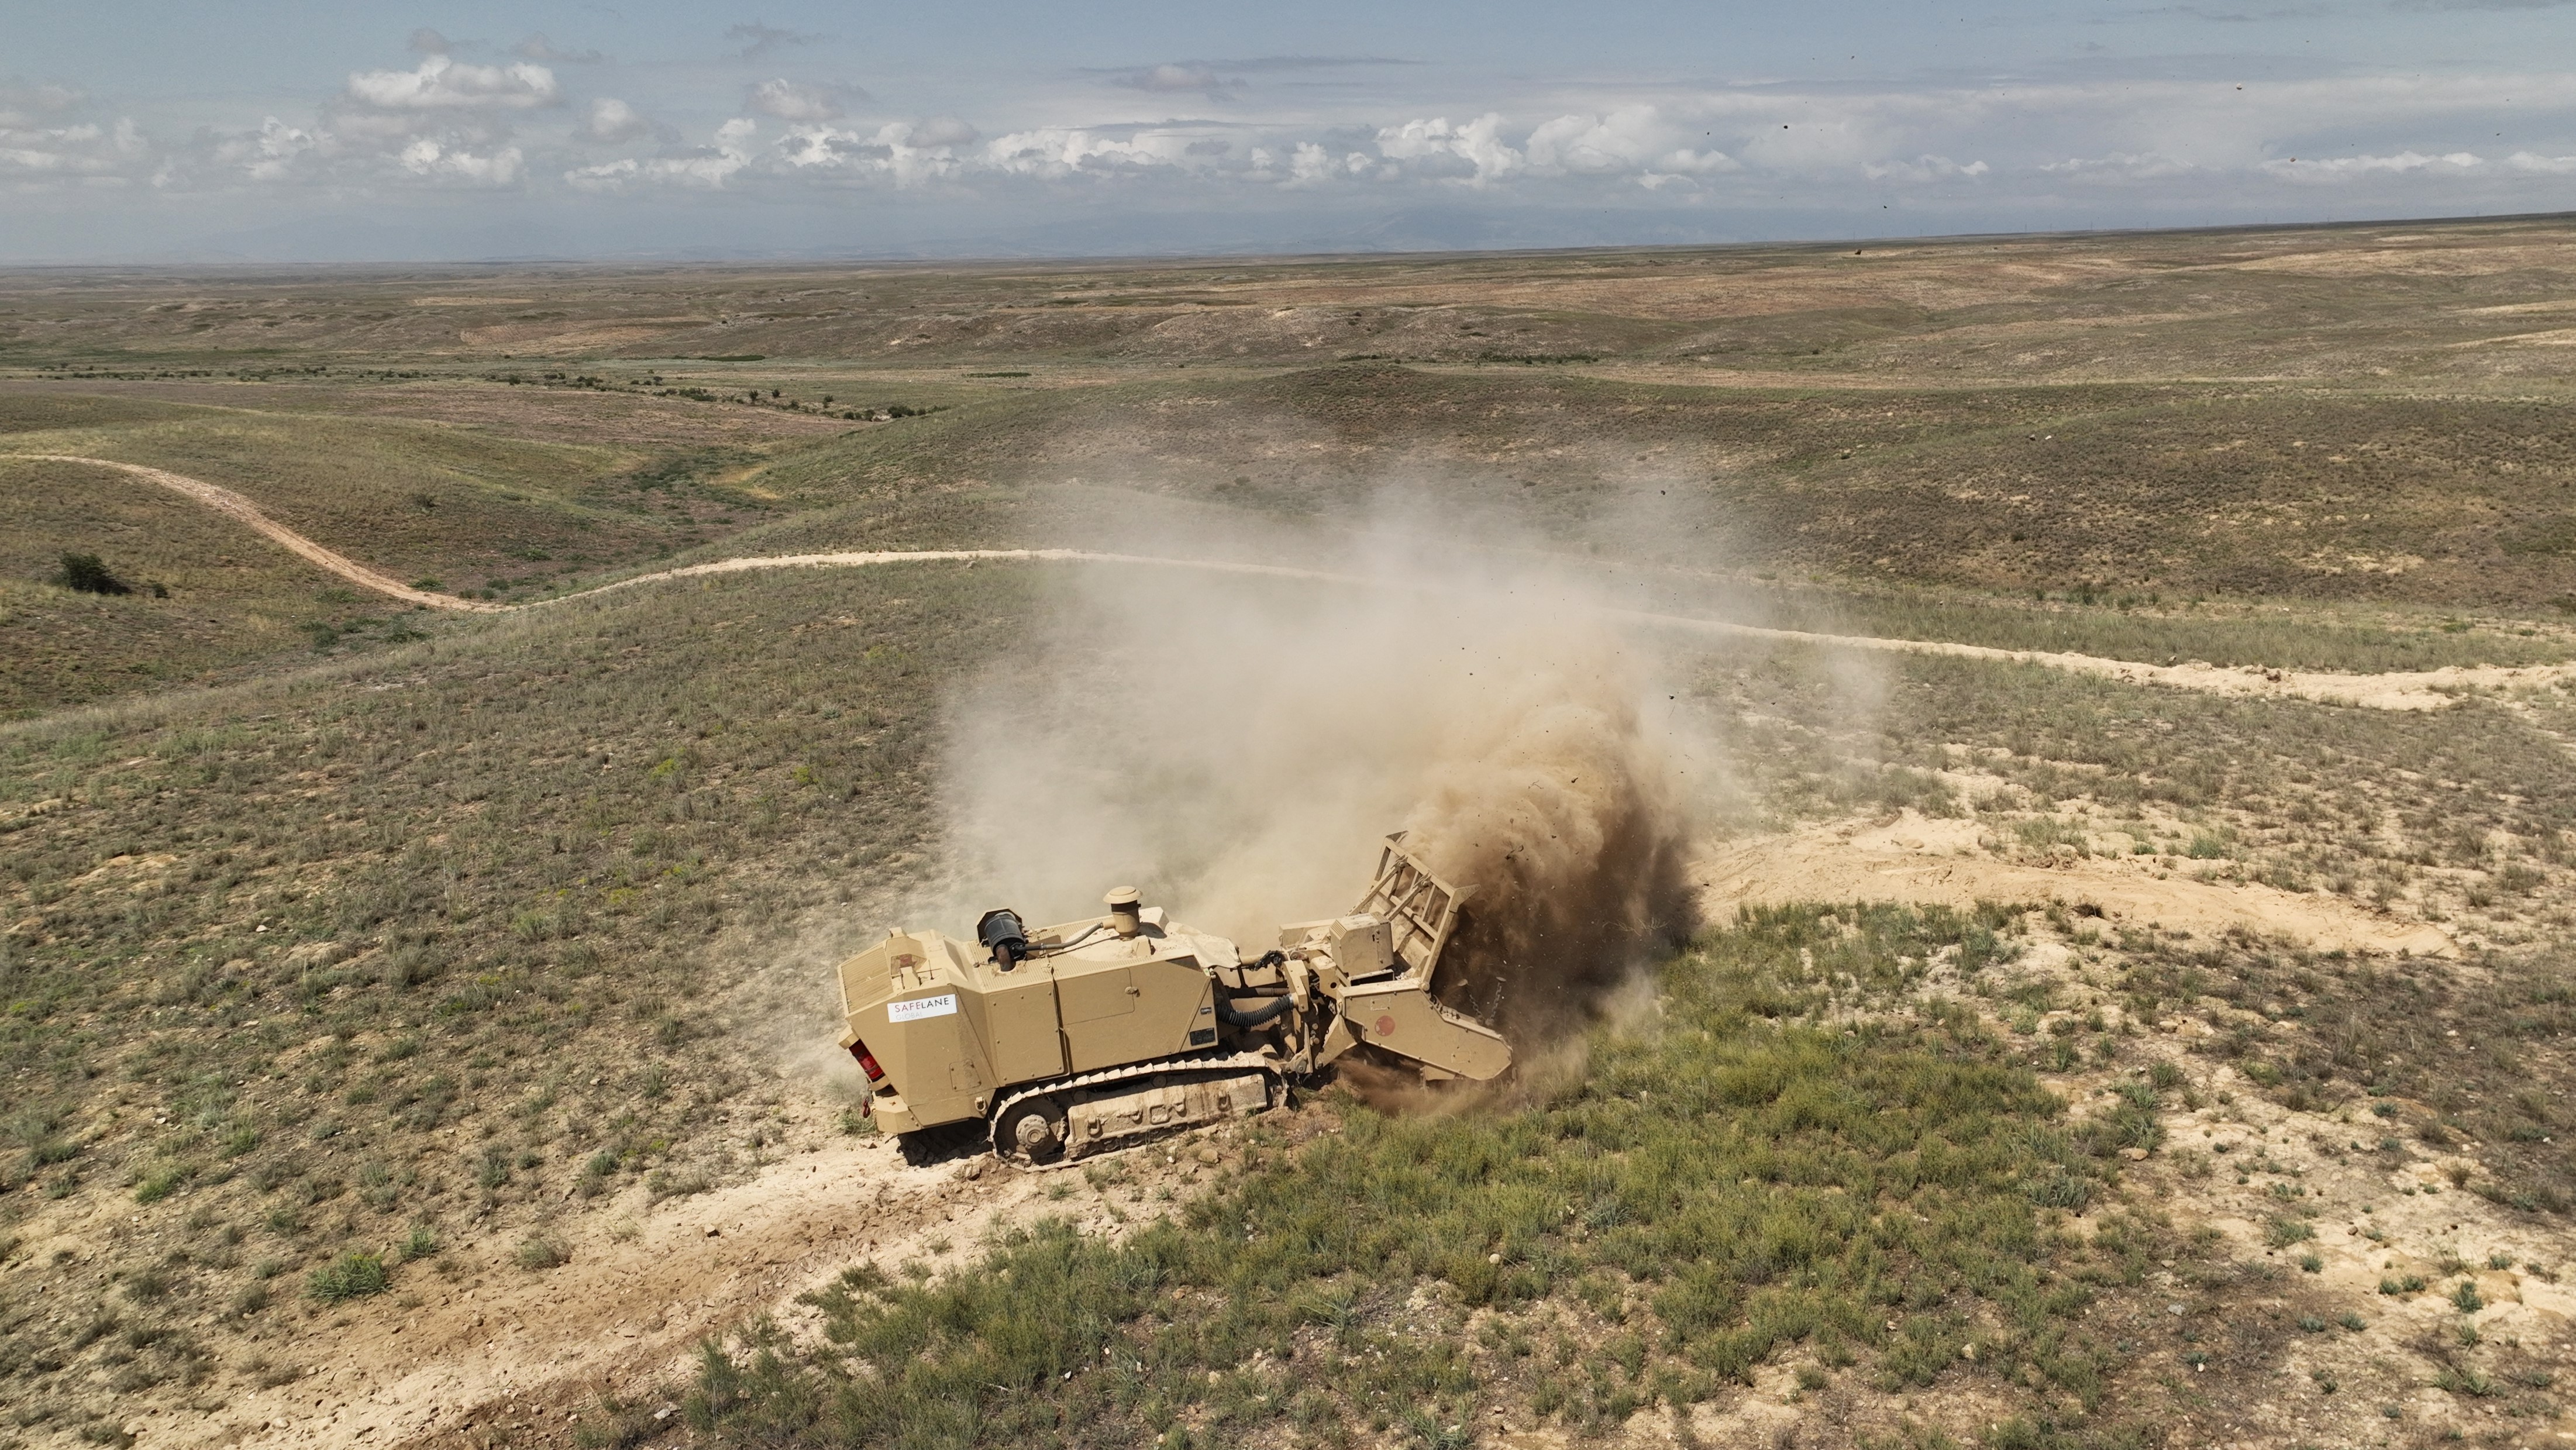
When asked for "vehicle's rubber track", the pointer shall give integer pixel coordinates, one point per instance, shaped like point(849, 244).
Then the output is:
point(1214, 1066)
point(2396, 690)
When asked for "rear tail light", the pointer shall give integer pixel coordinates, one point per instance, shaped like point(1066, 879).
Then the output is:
point(867, 1062)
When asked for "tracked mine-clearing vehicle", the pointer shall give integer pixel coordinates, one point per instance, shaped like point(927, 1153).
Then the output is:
point(1055, 1044)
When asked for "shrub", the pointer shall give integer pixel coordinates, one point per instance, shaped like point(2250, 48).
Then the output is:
point(662, 1183)
point(350, 1276)
point(161, 1182)
point(2280, 1233)
point(89, 574)
point(544, 1251)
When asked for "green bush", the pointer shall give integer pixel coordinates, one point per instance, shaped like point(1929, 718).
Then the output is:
point(89, 574)
point(2280, 1233)
point(160, 1182)
point(350, 1276)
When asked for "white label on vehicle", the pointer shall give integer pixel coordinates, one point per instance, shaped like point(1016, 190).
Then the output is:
point(943, 1005)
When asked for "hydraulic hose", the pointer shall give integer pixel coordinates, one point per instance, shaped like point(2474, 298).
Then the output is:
point(1226, 1013)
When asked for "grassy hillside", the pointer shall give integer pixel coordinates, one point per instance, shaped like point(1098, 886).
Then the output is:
point(2456, 301)
point(2155, 499)
point(206, 593)
point(465, 510)
point(444, 936)
point(1729, 1185)
point(464, 934)
point(1892, 1224)
point(331, 931)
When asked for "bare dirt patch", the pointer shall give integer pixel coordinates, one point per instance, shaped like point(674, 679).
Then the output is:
point(1909, 857)
point(471, 1342)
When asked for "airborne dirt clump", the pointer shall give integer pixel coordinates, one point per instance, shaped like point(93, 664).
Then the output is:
point(1240, 752)
point(1567, 812)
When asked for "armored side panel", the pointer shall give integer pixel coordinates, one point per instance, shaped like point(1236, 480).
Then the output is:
point(863, 977)
point(1401, 1018)
point(1020, 1022)
point(1131, 1002)
point(924, 1023)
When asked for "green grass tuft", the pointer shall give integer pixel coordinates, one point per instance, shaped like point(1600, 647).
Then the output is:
point(353, 1275)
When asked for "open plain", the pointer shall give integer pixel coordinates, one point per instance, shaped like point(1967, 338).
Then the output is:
point(455, 717)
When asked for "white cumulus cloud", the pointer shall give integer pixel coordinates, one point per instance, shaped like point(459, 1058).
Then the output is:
point(789, 101)
point(1169, 80)
point(440, 83)
point(2119, 166)
point(270, 153)
point(86, 151)
point(1923, 168)
point(698, 166)
point(1478, 142)
point(1645, 142)
point(2341, 168)
point(943, 131)
point(1060, 151)
point(440, 162)
point(23, 106)
point(613, 120)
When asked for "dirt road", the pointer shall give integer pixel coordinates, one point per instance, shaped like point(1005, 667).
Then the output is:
point(2398, 690)
point(474, 1349)
point(224, 501)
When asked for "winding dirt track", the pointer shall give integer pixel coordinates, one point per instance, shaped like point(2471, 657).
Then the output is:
point(2397, 690)
point(224, 501)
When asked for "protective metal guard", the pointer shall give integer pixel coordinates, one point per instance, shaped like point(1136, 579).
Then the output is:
point(1421, 907)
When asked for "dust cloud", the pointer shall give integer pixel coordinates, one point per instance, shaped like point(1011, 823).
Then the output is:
point(1237, 748)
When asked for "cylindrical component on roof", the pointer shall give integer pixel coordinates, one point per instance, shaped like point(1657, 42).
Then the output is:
point(1126, 911)
point(1001, 933)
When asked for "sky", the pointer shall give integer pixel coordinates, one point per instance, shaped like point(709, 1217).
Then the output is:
point(299, 131)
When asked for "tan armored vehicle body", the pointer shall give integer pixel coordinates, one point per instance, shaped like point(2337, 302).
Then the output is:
point(1056, 1043)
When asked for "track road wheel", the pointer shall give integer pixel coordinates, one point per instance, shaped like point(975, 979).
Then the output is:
point(1031, 1132)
